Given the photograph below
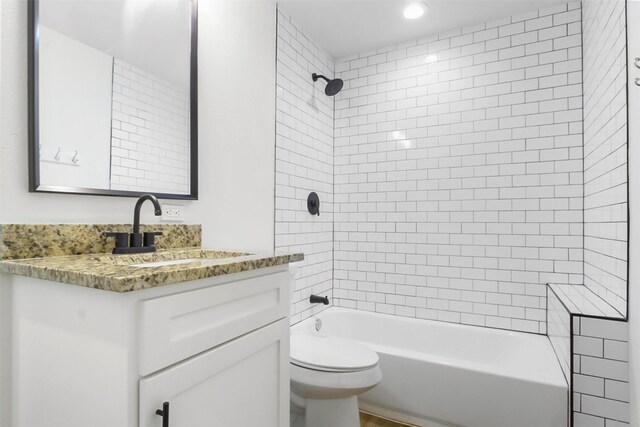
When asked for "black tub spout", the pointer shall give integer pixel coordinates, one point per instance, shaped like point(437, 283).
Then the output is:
point(315, 299)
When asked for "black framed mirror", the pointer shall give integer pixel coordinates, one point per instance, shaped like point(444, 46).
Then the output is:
point(113, 106)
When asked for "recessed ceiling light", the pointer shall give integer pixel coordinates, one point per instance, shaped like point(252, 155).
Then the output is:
point(414, 10)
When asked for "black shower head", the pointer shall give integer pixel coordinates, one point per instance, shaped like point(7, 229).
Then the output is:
point(333, 86)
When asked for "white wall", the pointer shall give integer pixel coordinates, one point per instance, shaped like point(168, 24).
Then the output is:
point(237, 123)
point(75, 111)
point(5, 327)
point(633, 37)
point(236, 146)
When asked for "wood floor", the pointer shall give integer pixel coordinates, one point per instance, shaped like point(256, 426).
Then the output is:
point(369, 420)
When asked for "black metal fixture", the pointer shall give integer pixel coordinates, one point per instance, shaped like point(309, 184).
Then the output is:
point(313, 203)
point(164, 413)
point(137, 242)
point(333, 86)
point(316, 299)
point(136, 210)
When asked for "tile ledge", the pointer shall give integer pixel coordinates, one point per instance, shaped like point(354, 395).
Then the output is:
point(582, 301)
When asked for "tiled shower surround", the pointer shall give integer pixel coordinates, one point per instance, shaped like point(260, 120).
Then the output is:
point(458, 181)
point(304, 163)
point(462, 174)
point(587, 323)
point(600, 373)
point(150, 132)
point(605, 151)
point(559, 332)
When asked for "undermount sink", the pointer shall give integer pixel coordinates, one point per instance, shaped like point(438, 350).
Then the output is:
point(176, 258)
point(205, 258)
point(170, 262)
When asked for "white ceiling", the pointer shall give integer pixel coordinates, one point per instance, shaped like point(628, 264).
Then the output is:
point(153, 35)
point(344, 27)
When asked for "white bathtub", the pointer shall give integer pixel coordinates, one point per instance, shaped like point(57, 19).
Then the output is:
point(440, 374)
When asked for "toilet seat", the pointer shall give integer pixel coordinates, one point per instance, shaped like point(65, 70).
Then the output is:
point(330, 354)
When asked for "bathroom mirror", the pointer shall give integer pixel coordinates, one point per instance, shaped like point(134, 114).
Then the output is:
point(113, 97)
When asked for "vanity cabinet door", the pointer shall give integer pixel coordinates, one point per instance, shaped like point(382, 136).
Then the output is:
point(242, 383)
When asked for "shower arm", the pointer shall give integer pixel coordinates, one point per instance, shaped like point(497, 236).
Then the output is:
point(315, 77)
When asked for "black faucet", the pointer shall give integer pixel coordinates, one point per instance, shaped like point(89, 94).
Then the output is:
point(136, 242)
point(136, 210)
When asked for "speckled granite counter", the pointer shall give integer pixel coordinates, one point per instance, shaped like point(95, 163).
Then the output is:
point(20, 241)
point(119, 273)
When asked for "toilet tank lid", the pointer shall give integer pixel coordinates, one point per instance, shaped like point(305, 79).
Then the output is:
point(331, 353)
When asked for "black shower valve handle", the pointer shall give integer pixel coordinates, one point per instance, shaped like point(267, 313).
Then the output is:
point(315, 207)
point(313, 203)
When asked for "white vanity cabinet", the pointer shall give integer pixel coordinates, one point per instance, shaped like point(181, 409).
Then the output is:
point(217, 350)
point(236, 384)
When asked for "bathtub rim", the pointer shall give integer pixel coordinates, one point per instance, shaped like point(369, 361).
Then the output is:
point(557, 379)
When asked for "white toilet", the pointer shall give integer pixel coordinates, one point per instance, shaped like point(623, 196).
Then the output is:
point(327, 375)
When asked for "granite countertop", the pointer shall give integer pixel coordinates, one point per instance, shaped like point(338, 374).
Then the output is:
point(119, 273)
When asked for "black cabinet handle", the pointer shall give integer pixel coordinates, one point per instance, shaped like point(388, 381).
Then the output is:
point(164, 413)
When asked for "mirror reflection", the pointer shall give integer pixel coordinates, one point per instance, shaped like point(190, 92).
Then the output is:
point(113, 96)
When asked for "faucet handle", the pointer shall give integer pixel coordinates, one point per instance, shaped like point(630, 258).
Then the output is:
point(150, 237)
point(122, 238)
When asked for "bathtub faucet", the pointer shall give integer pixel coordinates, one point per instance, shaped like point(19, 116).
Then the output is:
point(315, 299)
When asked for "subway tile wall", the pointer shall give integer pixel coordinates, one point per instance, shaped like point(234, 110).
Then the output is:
point(605, 150)
point(600, 373)
point(304, 163)
point(458, 181)
point(149, 132)
point(559, 332)
point(600, 351)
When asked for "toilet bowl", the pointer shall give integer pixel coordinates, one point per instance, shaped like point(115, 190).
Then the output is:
point(327, 375)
